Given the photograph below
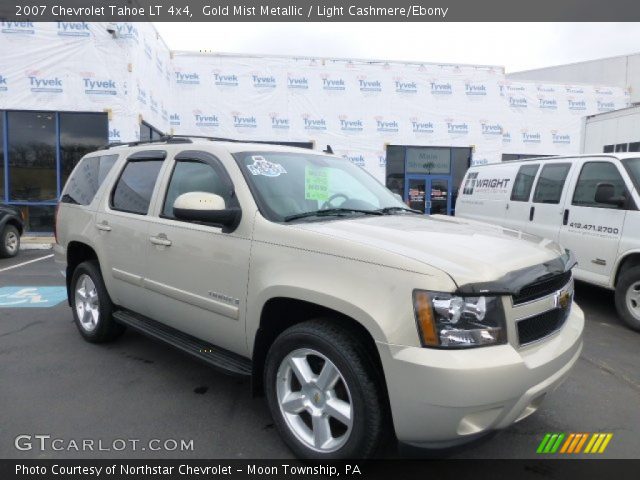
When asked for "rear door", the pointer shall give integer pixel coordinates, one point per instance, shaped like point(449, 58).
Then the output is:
point(518, 206)
point(590, 229)
point(122, 229)
point(549, 196)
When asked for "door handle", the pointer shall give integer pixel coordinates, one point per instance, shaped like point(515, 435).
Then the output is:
point(565, 217)
point(104, 226)
point(161, 239)
point(532, 211)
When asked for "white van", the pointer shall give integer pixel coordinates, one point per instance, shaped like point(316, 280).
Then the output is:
point(587, 203)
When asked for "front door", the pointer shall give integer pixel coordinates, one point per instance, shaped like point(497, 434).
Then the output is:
point(590, 229)
point(197, 273)
point(431, 194)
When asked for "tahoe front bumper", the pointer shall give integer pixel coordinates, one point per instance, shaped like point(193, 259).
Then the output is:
point(441, 398)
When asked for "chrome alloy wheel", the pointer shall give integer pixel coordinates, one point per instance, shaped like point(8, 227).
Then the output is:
point(87, 303)
point(632, 297)
point(314, 400)
point(11, 242)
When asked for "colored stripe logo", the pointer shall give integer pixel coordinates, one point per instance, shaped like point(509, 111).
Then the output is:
point(574, 443)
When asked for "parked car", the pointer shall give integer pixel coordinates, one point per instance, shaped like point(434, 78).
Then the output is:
point(356, 317)
point(11, 228)
point(587, 203)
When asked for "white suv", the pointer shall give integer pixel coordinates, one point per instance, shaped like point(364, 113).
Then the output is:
point(349, 311)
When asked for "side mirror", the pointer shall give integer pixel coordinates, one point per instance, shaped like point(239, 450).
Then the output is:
point(605, 194)
point(398, 197)
point(205, 207)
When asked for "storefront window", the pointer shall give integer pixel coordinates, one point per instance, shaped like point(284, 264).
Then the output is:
point(38, 218)
point(429, 161)
point(460, 163)
point(41, 150)
point(148, 133)
point(80, 133)
point(395, 169)
point(423, 162)
point(32, 156)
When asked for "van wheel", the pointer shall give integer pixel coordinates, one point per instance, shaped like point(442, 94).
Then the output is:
point(323, 392)
point(628, 297)
point(9, 242)
point(92, 307)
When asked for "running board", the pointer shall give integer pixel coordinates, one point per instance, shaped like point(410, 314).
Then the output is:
point(217, 357)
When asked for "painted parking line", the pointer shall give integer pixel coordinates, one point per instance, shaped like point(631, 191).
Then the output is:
point(31, 297)
point(25, 263)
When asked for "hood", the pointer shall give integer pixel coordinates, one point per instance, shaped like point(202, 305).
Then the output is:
point(471, 253)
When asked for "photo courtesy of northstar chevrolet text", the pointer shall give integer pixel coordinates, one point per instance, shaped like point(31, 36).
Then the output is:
point(285, 247)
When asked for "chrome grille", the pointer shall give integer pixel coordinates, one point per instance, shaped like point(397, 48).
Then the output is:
point(542, 288)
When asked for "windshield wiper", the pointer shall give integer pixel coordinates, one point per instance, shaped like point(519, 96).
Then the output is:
point(330, 212)
point(387, 210)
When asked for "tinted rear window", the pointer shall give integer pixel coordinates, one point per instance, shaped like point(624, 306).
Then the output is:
point(135, 186)
point(551, 183)
point(524, 182)
point(86, 179)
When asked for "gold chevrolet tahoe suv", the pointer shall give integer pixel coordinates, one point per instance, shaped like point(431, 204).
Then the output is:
point(358, 318)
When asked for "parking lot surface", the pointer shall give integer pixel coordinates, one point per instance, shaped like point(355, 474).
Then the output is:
point(153, 399)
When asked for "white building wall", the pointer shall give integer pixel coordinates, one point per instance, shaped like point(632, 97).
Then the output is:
point(79, 66)
point(357, 107)
point(613, 128)
point(622, 71)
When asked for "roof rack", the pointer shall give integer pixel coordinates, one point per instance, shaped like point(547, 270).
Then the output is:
point(170, 139)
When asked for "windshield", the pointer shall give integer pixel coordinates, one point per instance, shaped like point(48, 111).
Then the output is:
point(287, 185)
point(633, 168)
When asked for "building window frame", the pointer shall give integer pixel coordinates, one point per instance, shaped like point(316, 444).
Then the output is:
point(6, 197)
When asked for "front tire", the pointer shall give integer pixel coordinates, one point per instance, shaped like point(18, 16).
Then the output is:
point(91, 305)
point(628, 297)
point(9, 242)
point(324, 392)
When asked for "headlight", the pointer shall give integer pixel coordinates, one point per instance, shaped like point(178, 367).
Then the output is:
point(448, 321)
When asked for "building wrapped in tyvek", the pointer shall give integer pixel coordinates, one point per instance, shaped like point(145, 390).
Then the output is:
point(69, 87)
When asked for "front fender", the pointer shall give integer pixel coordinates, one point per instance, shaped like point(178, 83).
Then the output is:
point(376, 296)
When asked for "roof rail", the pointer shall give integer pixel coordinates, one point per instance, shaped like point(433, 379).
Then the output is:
point(170, 139)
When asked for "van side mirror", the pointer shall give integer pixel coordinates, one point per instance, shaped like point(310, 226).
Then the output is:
point(205, 207)
point(605, 193)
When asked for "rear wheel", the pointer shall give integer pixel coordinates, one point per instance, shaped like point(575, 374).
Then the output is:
point(324, 393)
point(92, 307)
point(628, 297)
point(9, 241)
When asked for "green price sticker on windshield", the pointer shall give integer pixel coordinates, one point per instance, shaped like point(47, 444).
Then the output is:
point(316, 183)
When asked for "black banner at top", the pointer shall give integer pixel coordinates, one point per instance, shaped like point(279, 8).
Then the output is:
point(319, 10)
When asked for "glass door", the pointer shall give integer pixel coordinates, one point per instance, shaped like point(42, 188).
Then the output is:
point(439, 198)
point(430, 194)
point(415, 192)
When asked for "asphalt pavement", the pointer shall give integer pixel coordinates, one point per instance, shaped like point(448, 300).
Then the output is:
point(158, 402)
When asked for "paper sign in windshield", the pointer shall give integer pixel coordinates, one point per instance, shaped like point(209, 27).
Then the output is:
point(262, 166)
point(316, 183)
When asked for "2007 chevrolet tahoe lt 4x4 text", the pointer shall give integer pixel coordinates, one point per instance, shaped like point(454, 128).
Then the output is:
point(356, 317)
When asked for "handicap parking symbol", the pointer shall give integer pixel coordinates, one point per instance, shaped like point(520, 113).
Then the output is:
point(31, 297)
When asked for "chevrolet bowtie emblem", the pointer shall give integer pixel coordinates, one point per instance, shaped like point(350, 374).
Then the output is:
point(562, 299)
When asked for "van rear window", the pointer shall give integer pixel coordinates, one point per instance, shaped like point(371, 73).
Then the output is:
point(86, 179)
point(524, 182)
point(551, 183)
